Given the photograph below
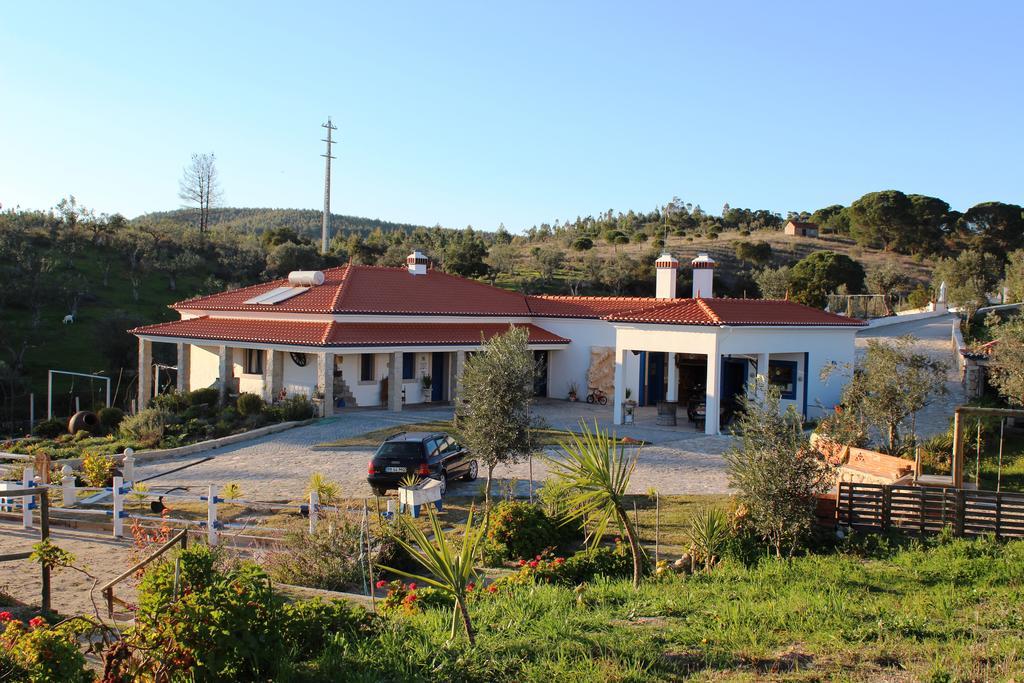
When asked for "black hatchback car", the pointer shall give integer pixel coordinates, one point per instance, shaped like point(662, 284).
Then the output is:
point(426, 454)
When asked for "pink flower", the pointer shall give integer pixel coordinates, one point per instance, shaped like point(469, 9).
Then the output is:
point(381, 583)
point(5, 616)
point(522, 562)
point(412, 586)
point(559, 560)
point(533, 564)
point(36, 622)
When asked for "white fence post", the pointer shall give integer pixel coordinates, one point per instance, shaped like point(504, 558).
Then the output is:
point(67, 485)
point(118, 497)
point(128, 466)
point(211, 515)
point(28, 479)
point(314, 510)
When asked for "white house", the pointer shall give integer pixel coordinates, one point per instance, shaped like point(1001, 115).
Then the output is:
point(349, 336)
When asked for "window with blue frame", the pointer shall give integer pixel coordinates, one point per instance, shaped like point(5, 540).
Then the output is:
point(782, 375)
point(408, 366)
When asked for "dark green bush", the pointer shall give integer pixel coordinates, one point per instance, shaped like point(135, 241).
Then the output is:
point(249, 404)
point(50, 429)
point(170, 402)
point(309, 625)
point(207, 395)
point(297, 407)
point(110, 417)
point(519, 530)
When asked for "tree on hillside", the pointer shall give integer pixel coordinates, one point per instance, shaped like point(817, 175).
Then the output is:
point(994, 227)
point(1006, 365)
point(890, 383)
point(888, 280)
point(776, 472)
point(881, 218)
point(821, 273)
point(289, 256)
point(833, 218)
point(465, 255)
point(932, 220)
point(493, 406)
point(199, 187)
point(774, 283)
point(759, 253)
point(969, 278)
point(549, 261)
point(1013, 279)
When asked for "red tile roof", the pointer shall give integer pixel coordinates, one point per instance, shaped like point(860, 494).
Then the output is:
point(586, 306)
point(373, 289)
point(333, 334)
point(772, 312)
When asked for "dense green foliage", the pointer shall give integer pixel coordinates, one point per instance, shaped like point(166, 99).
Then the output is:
point(37, 653)
point(518, 530)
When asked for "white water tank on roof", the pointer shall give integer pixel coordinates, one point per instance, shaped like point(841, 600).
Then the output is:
point(305, 278)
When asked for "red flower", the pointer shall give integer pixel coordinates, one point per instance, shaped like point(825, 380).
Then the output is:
point(36, 622)
point(412, 586)
point(559, 560)
point(522, 562)
point(492, 588)
point(381, 583)
point(470, 586)
point(618, 539)
point(533, 564)
point(537, 558)
point(5, 616)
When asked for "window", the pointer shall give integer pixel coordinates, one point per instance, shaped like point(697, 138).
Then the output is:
point(433, 447)
point(254, 361)
point(782, 374)
point(366, 367)
point(408, 366)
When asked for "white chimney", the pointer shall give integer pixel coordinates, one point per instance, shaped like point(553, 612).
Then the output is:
point(417, 262)
point(703, 276)
point(665, 281)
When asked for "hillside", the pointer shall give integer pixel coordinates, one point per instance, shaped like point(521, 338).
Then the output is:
point(306, 222)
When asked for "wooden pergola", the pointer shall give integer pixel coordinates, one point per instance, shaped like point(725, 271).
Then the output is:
point(956, 478)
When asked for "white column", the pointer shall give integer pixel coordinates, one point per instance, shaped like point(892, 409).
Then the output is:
point(620, 385)
point(460, 365)
point(713, 392)
point(672, 394)
point(211, 515)
point(762, 375)
point(183, 366)
point(117, 512)
point(271, 361)
point(145, 372)
point(224, 372)
point(325, 380)
point(395, 381)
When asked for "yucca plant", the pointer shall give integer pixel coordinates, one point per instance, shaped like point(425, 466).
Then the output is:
point(449, 570)
point(326, 490)
point(708, 533)
point(598, 471)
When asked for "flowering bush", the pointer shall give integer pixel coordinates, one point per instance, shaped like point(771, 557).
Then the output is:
point(406, 598)
point(518, 530)
point(39, 653)
point(97, 469)
point(614, 562)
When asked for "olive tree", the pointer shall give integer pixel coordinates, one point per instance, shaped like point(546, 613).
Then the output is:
point(493, 405)
point(1006, 366)
point(776, 472)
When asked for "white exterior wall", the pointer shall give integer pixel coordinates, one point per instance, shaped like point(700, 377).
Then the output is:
point(203, 366)
point(247, 383)
point(570, 363)
point(298, 380)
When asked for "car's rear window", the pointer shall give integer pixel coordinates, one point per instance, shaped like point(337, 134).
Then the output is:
point(401, 449)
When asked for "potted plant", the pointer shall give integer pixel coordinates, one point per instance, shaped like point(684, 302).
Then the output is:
point(629, 397)
point(426, 381)
point(572, 391)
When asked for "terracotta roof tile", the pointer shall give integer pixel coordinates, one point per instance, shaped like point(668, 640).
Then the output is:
point(587, 306)
point(735, 312)
point(335, 334)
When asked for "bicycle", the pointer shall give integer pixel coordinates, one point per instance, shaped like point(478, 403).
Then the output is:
point(597, 396)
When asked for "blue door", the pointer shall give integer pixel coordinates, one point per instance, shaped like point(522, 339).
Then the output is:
point(438, 374)
point(655, 378)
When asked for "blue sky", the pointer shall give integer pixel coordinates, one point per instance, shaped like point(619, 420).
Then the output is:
point(475, 113)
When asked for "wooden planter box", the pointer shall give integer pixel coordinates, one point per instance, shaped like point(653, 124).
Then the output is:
point(412, 497)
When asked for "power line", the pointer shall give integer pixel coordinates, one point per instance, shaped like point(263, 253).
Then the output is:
point(326, 230)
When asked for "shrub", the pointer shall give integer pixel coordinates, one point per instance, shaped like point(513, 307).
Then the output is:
point(50, 429)
point(97, 469)
point(39, 653)
point(297, 407)
point(249, 404)
point(145, 427)
point(409, 598)
point(610, 562)
point(82, 435)
point(205, 396)
point(111, 417)
point(519, 529)
point(709, 534)
point(170, 402)
point(307, 626)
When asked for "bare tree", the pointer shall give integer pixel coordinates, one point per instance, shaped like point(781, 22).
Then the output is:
point(200, 187)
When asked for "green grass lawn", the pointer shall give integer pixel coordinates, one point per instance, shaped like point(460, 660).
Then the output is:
point(943, 611)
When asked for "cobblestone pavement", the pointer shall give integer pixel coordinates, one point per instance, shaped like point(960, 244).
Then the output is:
point(933, 337)
point(677, 460)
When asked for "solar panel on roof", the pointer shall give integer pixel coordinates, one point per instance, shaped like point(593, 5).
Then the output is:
point(276, 295)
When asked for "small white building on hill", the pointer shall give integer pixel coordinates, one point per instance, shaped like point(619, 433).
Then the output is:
point(375, 336)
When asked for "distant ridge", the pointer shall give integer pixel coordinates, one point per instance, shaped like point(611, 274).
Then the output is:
point(303, 221)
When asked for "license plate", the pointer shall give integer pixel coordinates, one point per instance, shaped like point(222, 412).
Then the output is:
point(394, 469)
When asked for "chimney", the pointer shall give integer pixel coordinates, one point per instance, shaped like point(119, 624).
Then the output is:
point(665, 281)
point(703, 276)
point(417, 262)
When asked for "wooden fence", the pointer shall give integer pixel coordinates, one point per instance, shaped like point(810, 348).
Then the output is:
point(920, 509)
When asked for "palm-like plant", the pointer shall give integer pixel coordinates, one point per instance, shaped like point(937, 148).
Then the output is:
point(450, 570)
point(596, 466)
point(709, 533)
